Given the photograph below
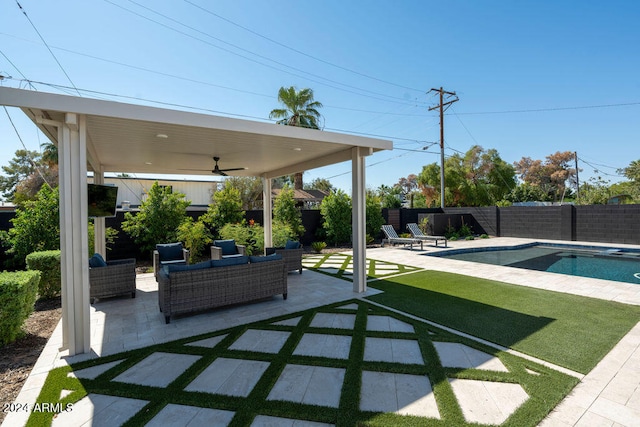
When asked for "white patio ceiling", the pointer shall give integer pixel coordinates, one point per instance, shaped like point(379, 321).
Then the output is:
point(124, 138)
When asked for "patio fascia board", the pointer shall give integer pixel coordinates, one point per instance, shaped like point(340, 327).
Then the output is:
point(330, 159)
point(69, 104)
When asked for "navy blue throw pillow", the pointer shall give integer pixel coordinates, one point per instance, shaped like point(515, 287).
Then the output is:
point(266, 258)
point(170, 251)
point(238, 260)
point(96, 261)
point(228, 246)
point(291, 244)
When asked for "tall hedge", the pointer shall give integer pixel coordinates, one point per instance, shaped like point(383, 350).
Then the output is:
point(48, 263)
point(17, 295)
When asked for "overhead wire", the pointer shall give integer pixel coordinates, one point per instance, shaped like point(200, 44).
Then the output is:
point(24, 12)
point(301, 52)
point(378, 95)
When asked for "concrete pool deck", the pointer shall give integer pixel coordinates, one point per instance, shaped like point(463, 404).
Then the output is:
point(608, 395)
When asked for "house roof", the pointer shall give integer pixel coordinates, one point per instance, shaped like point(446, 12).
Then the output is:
point(141, 139)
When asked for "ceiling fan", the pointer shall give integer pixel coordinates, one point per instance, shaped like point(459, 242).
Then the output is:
point(217, 171)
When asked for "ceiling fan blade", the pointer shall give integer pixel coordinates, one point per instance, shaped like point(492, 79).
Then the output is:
point(197, 170)
point(233, 169)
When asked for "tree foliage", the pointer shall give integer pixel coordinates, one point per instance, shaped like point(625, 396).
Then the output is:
point(226, 208)
point(250, 189)
point(477, 178)
point(19, 168)
point(300, 109)
point(159, 218)
point(336, 215)
point(320, 184)
point(551, 175)
point(373, 215)
point(36, 226)
point(196, 237)
point(285, 211)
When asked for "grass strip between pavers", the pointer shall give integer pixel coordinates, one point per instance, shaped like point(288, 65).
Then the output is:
point(340, 263)
point(568, 330)
point(544, 386)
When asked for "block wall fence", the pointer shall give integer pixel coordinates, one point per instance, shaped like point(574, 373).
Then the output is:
point(595, 223)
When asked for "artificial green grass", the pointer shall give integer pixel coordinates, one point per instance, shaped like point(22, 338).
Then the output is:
point(544, 386)
point(336, 265)
point(571, 331)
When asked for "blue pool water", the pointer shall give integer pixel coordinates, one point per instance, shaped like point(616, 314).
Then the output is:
point(622, 265)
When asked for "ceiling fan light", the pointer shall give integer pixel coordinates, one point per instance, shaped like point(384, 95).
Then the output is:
point(162, 135)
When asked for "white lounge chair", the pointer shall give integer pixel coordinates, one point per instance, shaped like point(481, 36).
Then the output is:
point(393, 238)
point(418, 234)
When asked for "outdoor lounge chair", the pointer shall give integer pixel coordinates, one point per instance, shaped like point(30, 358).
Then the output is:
point(111, 278)
point(167, 254)
point(222, 249)
point(393, 238)
point(291, 253)
point(418, 234)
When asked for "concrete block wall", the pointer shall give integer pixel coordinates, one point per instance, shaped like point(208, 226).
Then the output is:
point(608, 223)
point(536, 222)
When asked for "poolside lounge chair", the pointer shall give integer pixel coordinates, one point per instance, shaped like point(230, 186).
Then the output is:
point(393, 238)
point(418, 234)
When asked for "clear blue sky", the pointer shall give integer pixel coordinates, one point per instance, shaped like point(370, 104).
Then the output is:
point(533, 78)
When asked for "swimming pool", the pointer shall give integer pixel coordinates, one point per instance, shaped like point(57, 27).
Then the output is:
point(621, 265)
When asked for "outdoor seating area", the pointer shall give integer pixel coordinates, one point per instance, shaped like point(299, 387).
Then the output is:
point(392, 238)
point(416, 233)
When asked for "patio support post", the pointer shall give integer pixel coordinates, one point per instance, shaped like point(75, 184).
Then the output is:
point(99, 228)
point(266, 211)
point(358, 217)
point(73, 234)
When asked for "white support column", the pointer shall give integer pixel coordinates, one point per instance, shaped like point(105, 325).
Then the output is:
point(358, 218)
point(73, 230)
point(266, 212)
point(100, 243)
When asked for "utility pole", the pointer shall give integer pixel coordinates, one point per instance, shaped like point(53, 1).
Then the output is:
point(575, 155)
point(451, 98)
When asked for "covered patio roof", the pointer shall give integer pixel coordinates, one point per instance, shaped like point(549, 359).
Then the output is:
point(106, 136)
point(141, 139)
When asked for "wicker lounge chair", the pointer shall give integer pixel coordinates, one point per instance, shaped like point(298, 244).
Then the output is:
point(118, 277)
point(291, 253)
point(167, 254)
point(393, 238)
point(227, 249)
point(418, 234)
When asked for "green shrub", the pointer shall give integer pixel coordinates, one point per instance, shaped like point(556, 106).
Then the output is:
point(318, 246)
point(36, 226)
point(285, 211)
point(48, 263)
point(251, 236)
point(158, 220)
point(336, 214)
point(17, 295)
point(280, 233)
point(196, 237)
point(226, 208)
point(484, 236)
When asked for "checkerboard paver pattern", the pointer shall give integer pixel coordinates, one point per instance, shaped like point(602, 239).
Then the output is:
point(306, 358)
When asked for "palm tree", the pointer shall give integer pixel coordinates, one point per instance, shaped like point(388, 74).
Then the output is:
point(49, 153)
point(300, 110)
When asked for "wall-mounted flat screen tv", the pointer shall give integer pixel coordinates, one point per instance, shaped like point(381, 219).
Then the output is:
point(102, 200)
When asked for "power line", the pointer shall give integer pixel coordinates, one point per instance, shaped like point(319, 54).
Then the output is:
point(392, 98)
point(539, 110)
point(299, 51)
point(47, 46)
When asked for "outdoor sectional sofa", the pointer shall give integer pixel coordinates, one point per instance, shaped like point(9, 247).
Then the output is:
point(215, 283)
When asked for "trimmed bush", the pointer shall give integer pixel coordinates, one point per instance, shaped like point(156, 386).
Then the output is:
point(17, 295)
point(48, 263)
